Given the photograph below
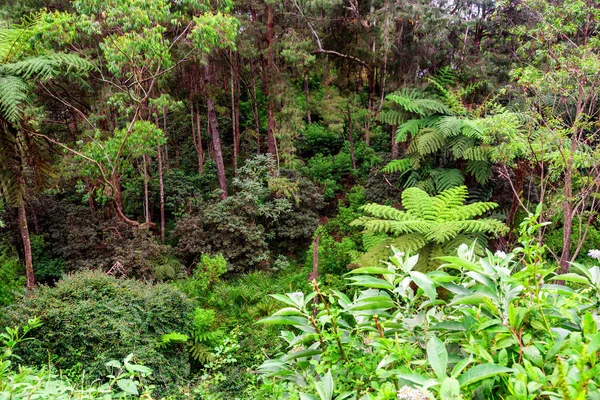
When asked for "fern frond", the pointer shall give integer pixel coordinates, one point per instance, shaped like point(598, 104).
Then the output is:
point(450, 126)
point(391, 117)
point(14, 93)
point(472, 128)
point(416, 201)
point(387, 212)
point(481, 170)
point(416, 102)
point(470, 211)
point(46, 66)
point(411, 126)
point(445, 178)
point(459, 144)
point(395, 166)
point(478, 153)
point(429, 141)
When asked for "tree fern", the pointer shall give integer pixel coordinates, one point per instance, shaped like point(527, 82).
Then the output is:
point(438, 125)
point(427, 224)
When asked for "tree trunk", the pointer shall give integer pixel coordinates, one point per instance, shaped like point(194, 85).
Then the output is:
point(216, 140)
point(166, 148)
point(394, 143)
point(234, 117)
point(146, 195)
point(118, 202)
point(23, 228)
point(255, 107)
point(266, 81)
point(568, 208)
point(161, 187)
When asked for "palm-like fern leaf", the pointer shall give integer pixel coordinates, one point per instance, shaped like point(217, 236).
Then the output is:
point(434, 220)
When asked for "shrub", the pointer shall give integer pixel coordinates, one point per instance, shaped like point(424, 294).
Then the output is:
point(11, 281)
point(318, 139)
point(90, 318)
point(207, 272)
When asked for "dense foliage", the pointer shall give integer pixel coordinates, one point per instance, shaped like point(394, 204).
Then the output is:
point(166, 165)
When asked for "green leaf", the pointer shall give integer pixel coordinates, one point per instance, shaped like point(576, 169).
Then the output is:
point(284, 320)
point(372, 270)
point(450, 389)
point(307, 396)
point(302, 353)
point(325, 387)
point(437, 356)
point(128, 386)
point(571, 277)
point(425, 283)
point(589, 324)
point(480, 372)
point(371, 282)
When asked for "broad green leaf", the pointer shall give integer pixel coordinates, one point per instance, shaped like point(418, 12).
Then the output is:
point(289, 311)
point(437, 356)
point(307, 396)
point(372, 270)
point(425, 283)
point(325, 387)
point(589, 324)
point(450, 389)
point(284, 320)
point(371, 282)
point(480, 372)
point(571, 277)
point(128, 386)
point(302, 353)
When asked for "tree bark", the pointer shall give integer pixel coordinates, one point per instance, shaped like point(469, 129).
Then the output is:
point(24, 230)
point(394, 143)
point(216, 140)
point(146, 194)
point(271, 145)
point(255, 107)
point(161, 187)
point(234, 117)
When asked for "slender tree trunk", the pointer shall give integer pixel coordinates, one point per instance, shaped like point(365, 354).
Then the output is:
point(161, 187)
point(216, 140)
point(306, 96)
point(255, 107)
point(351, 136)
point(234, 122)
point(568, 202)
point(201, 156)
point(394, 143)
point(271, 145)
point(146, 194)
point(23, 228)
point(166, 147)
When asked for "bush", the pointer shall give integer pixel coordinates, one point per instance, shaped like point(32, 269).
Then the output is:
point(11, 281)
point(318, 139)
point(207, 272)
point(90, 318)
